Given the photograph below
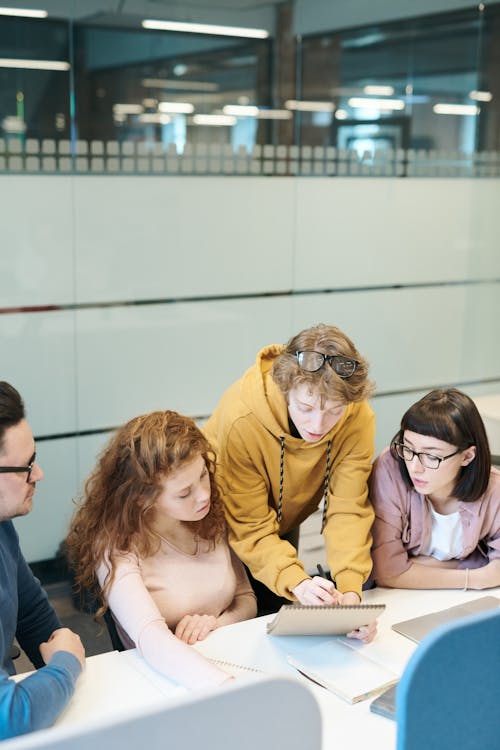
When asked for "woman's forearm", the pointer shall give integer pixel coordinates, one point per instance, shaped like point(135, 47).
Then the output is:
point(243, 607)
point(427, 576)
point(433, 563)
point(486, 577)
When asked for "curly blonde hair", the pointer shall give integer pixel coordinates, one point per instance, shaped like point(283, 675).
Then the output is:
point(116, 514)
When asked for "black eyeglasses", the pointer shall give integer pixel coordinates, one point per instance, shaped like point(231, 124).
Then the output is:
point(311, 361)
point(426, 459)
point(19, 469)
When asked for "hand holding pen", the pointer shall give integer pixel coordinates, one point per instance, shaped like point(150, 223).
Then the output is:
point(317, 591)
point(366, 633)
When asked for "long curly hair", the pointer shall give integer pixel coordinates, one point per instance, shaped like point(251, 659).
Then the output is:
point(117, 511)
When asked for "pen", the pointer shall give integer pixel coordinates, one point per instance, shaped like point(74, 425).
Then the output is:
point(322, 573)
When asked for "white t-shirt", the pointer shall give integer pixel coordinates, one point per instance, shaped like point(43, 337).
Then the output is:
point(446, 542)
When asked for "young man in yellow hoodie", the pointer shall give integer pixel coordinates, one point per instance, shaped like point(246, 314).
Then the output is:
point(296, 430)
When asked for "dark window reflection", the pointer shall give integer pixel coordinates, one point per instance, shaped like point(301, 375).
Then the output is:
point(425, 83)
point(153, 87)
point(34, 103)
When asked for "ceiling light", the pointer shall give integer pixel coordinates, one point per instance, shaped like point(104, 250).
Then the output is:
point(205, 28)
point(8, 62)
point(304, 106)
point(359, 102)
point(23, 12)
point(456, 109)
point(341, 114)
point(240, 110)
point(13, 124)
point(167, 83)
point(274, 114)
point(176, 108)
point(379, 90)
point(213, 120)
point(481, 96)
point(127, 109)
point(154, 118)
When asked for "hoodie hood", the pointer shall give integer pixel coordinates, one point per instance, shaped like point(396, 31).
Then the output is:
point(261, 394)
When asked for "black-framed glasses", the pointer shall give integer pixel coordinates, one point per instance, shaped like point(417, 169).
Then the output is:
point(20, 469)
point(426, 459)
point(311, 361)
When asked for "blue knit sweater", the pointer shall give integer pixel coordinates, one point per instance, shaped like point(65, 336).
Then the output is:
point(35, 702)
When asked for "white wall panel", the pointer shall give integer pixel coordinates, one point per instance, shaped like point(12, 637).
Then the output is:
point(388, 412)
point(154, 237)
point(38, 359)
point(480, 350)
point(352, 232)
point(181, 356)
point(413, 338)
point(484, 257)
point(88, 447)
point(66, 464)
point(46, 526)
point(36, 261)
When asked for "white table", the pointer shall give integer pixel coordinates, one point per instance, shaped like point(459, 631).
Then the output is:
point(115, 684)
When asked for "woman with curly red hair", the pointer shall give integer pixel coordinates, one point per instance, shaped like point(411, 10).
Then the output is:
point(149, 538)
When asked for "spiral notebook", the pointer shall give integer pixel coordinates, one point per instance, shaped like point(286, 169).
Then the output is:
point(297, 619)
point(237, 670)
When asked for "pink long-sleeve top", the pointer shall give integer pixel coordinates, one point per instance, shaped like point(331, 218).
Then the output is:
point(148, 597)
point(403, 521)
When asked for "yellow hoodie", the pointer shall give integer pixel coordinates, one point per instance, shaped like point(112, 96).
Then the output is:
point(247, 429)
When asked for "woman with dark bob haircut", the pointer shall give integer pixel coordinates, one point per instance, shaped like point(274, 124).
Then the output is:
point(437, 500)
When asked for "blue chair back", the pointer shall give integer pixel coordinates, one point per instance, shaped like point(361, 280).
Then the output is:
point(449, 695)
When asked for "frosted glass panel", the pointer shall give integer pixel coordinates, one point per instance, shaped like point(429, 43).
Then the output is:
point(182, 356)
point(390, 409)
point(153, 238)
point(353, 233)
point(38, 359)
point(45, 527)
point(412, 337)
point(89, 447)
point(36, 261)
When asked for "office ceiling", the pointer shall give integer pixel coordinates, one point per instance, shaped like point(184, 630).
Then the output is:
point(187, 9)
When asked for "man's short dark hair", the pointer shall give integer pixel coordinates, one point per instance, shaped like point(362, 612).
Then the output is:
point(11, 409)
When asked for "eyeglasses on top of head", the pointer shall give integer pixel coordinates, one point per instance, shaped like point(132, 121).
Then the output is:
point(312, 361)
point(426, 459)
point(20, 469)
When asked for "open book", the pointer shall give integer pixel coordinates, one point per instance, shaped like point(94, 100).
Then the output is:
point(344, 669)
point(298, 619)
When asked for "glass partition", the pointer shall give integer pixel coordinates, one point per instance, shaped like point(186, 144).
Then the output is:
point(413, 97)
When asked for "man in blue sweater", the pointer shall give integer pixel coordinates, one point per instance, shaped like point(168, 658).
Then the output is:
point(57, 652)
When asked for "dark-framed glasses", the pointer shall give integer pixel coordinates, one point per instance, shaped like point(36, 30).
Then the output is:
point(20, 469)
point(311, 361)
point(426, 459)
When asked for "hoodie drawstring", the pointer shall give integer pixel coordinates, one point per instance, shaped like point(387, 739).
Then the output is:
point(325, 485)
point(282, 473)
